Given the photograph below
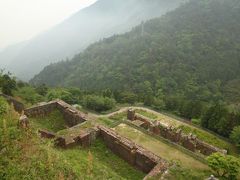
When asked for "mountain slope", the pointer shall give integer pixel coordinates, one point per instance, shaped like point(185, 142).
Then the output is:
point(192, 52)
point(102, 19)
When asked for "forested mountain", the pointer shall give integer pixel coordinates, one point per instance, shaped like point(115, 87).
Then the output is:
point(192, 52)
point(102, 19)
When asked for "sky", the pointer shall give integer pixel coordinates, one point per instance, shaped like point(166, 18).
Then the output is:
point(23, 19)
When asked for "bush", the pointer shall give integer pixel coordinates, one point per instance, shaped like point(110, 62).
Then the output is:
point(29, 94)
point(61, 94)
point(98, 103)
point(235, 135)
point(224, 165)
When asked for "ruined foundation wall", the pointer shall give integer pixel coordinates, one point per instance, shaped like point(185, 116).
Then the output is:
point(175, 135)
point(135, 155)
point(18, 106)
point(70, 114)
point(84, 138)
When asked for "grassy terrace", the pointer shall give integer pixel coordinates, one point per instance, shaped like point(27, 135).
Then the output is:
point(187, 128)
point(159, 148)
point(53, 122)
point(98, 162)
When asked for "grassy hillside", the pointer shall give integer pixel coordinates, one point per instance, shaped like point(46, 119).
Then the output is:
point(23, 155)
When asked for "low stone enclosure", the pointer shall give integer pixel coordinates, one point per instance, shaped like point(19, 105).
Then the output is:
point(190, 141)
point(132, 153)
point(70, 114)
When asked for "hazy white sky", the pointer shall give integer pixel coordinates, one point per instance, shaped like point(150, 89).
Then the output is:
point(22, 19)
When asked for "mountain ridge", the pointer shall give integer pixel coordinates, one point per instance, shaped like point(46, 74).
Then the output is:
point(97, 21)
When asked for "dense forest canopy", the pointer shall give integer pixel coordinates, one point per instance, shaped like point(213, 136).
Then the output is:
point(193, 51)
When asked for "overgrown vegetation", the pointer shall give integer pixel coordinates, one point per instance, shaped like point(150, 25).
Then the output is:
point(23, 155)
point(53, 122)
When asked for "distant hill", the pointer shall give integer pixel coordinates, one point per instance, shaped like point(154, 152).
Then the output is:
point(192, 52)
point(100, 20)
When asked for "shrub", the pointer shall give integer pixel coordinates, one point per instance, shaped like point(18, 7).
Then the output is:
point(98, 103)
point(235, 135)
point(61, 94)
point(224, 165)
point(29, 94)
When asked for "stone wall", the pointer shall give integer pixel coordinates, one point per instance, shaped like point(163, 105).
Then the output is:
point(70, 114)
point(175, 135)
point(18, 106)
point(46, 134)
point(84, 138)
point(135, 155)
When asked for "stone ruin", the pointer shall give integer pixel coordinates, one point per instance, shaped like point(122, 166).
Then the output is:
point(71, 115)
point(18, 106)
point(132, 153)
point(173, 134)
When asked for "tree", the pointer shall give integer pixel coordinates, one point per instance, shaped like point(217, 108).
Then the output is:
point(7, 83)
point(62, 94)
point(224, 165)
point(42, 89)
point(127, 97)
point(98, 103)
point(235, 135)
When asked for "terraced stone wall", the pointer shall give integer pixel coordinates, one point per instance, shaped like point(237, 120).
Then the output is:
point(18, 106)
point(175, 135)
point(70, 114)
point(135, 155)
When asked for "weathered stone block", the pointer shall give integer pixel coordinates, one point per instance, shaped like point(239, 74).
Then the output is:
point(46, 134)
point(131, 114)
point(23, 121)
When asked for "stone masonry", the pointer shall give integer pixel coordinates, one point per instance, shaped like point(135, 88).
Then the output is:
point(18, 106)
point(70, 114)
point(134, 154)
point(175, 135)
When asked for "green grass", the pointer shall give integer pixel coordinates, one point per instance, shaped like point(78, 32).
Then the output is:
point(160, 148)
point(210, 138)
point(23, 155)
point(119, 116)
point(53, 122)
point(98, 162)
point(147, 114)
point(188, 128)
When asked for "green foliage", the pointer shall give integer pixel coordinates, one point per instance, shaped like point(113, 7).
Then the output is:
point(29, 95)
point(127, 97)
point(24, 156)
point(220, 119)
point(54, 122)
point(42, 89)
point(7, 83)
point(98, 103)
point(3, 107)
point(235, 135)
point(181, 173)
point(106, 165)
point(62, 94)
point(147, 114)
point(224, 165)
point(209, 138)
